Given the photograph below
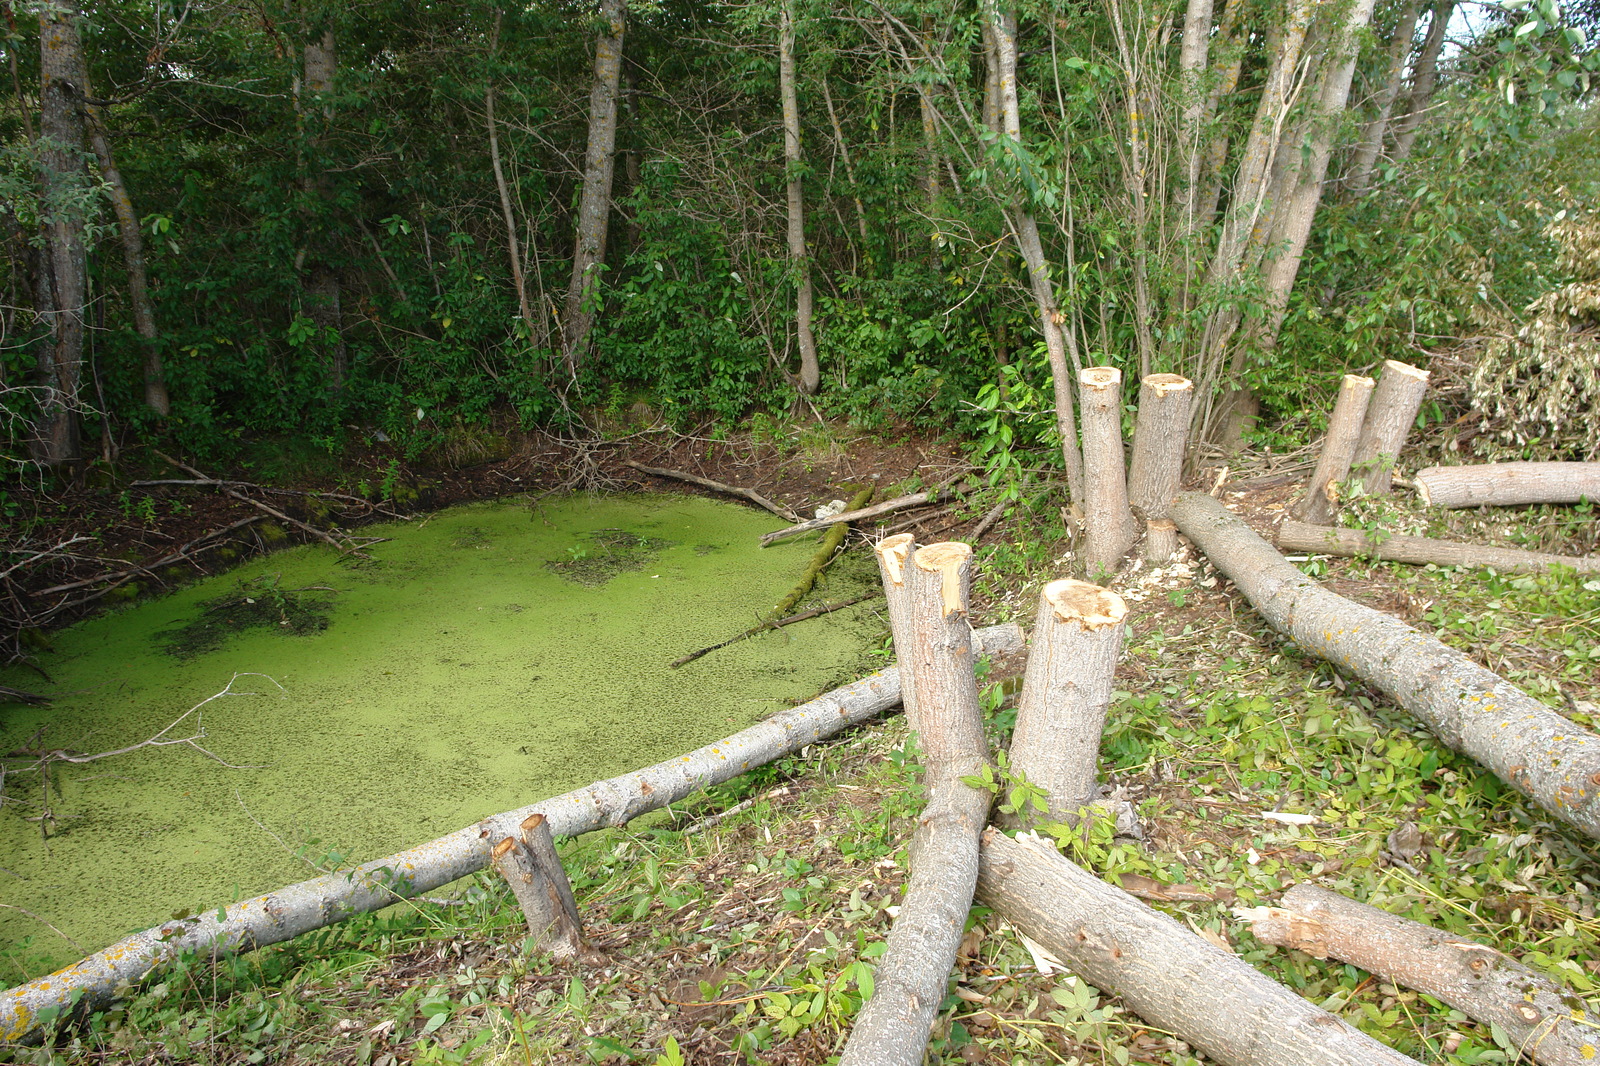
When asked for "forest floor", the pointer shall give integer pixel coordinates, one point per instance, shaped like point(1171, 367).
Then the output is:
point(740, 926)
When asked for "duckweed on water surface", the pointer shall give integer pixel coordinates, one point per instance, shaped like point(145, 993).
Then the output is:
point(473, 666)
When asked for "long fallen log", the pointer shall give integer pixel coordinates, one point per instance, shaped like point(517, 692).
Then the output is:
point(717, 486)
point(899, 503)
point(1394, 547)
point(1165, 974)
point(1537, 1015)
point(322, 901)
point(1508, 484)
point(1548, 758)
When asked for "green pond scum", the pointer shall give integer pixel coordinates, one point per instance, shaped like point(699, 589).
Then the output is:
point(485, 658)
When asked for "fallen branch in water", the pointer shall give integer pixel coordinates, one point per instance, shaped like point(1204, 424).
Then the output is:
point(856, 514)
point(824, 554)
point(826, 608)
point(717, 486)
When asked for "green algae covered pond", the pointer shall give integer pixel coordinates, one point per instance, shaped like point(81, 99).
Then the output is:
point(489, 656)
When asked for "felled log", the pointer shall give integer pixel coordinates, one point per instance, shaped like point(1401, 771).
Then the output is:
point(899, 503)
point(1550, 759)
point(1394, 547)
point(1157, 465)
point(1167, 975)
point(1338, 449)
point(1107, 521)
point(1508, 484)
point(1066, 691)
point(820, 558)
point(1390, 415)
point(717, 486)
point(323, 901)
point(937, 649)
point(1537, 1015)
point(530, 865)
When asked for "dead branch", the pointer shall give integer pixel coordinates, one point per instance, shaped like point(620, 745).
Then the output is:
point(826, 608)
point(717, 486)
point(916, 499)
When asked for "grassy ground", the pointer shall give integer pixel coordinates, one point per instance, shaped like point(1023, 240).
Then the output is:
point(752, 938)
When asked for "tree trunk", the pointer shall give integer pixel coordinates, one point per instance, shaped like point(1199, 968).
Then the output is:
point(1353, 543)
point(594, 208)
point(63, 259)
point(1535, 1013)
point(1548, 758)
point(1167, 975)
point(324, 291)
point(1390, 415)
point(536, 336)
point(799, 258)
point(1192, 64)
point(1107, 521)
point(532, 868)
point(322, 901)
point(1369, 145)
point(1338, 448)
point(1157, 467)
point(909, 984)
point(849, 166)
point(894, 555)
point(1508, 484)
point(1066, 691)
point(1425, 75)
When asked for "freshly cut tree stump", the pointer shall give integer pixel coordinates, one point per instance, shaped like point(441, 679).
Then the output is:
point(1550, 759)
point(911, 978)
point(1298, 536)
point(533, 870)
point(1165, 974)
point(1508, 484)
point(1338, 448)
point(322, 901)
point(1538, 1016)
point(1157, 466)
point(1390, 415)
point(1061, 715)
point(1107, 521)
point(894, 555)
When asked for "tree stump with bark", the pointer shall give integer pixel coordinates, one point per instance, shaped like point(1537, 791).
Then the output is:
point(1157, 466)
point(1338, 450)
point(532, 868)
point(1508, 484)
point(1108, 522)
point(1390, 415)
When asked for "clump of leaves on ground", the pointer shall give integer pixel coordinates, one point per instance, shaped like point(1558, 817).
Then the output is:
point(752, 937)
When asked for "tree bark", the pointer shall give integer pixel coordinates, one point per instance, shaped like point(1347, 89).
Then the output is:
point(1394, 407)
point(1192, 63)
point(1338, 448)
point(1508, 484)
point(1164, 973)
point(1424, 76)
point(799, 258)
point(594, 208)
point(1369, 145)
point(1546, 757)
point(1535, 1013)
point(899, 503)
point(322, 901)
point(532, 868)
point(826, 550)
point(63, 259)
point(324, 291)
point(1066, 691)
point(1107, 522)
point(536, 336)
point(1351, 543)
point(1157, 467)
point(894, 555)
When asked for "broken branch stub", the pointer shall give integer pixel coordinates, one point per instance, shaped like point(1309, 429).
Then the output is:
point(1395, 403)
point(1108, 522)
point(1061, 715)
point(1548, 1023)
point(1157, 465)
point(1338, 449)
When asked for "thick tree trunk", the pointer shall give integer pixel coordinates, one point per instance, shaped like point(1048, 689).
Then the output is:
point(1066, 691)
point(910, 981)
point(1164, 973)
point(1157, 466)
point(530, 865)
point(1390, 415)
point(1424, 76)
point(322, 901)
point(63, 260)
point(799, 258)
point(1108, 529)
point(1508, 484)
point(1548, 758)
point(1338, 449)
point(1535, 1013)
point(594, 208)
point(1352, 543)
point(1369, 145)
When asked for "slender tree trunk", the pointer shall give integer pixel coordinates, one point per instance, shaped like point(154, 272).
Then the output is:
point(594, 209)
point(324, 291)
point(799, 259)
point(513, 241)
point(1192, 63)
point(849, 165)
point(930, 125)
point(63, 259)
point(1425, 75)
point(1370, 144)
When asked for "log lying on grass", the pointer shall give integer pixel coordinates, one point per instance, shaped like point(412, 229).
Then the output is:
point(322, 901)
point(1350, 543)
point(1548, 758)
point(1165, 974)
point(1537, 1015)
point(1508, 484)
